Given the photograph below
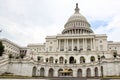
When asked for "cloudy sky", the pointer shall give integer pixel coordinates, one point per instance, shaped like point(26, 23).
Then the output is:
point(30, 21)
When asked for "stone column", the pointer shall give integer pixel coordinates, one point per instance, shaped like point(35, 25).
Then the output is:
point(64, 44)
point(78, 44)
point(67, 45)
point(75, 31)
point(46, 71)
point(59, 44)
point(55, 73)
point(91, 43)
point(57, 47)
point(74, 73)
point(86, 43)
point(83, 44)
point(84, 72)
point(72, 44)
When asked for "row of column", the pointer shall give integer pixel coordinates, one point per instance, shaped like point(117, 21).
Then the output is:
point(76, 31)
point(86, 43)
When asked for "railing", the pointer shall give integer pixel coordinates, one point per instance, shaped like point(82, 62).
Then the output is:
point(63, 65)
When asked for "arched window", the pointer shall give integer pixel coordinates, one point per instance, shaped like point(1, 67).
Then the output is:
point(61, 60)
point(71, 72)
point(34, 71)
point(82, 59)
point(92, 59)
point(42, 71)
point(59, 72)
point(51, 59)
point(71, 60)
point(79, 73)
point(102, 71)
point(96, 71)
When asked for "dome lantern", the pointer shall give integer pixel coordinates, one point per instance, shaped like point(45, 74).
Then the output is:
point(76, 9)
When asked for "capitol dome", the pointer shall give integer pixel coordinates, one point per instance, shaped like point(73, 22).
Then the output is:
point(77, 24)
point(77, 17)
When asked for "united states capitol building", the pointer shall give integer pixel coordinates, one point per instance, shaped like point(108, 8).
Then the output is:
point(76, 52)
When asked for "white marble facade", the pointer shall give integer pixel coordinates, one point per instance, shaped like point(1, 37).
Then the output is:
point(76, 52)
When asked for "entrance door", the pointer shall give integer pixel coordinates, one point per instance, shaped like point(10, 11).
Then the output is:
point(96, 72)
point(42, 72)
point(51, 72)
point(88, 72)
point(65, 73)
point(34, 71)
point(79, 73)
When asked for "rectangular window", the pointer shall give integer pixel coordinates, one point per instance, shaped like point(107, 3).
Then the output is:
point(50, 48)
point(101, 47)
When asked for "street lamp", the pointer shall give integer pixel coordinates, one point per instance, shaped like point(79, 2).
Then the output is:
point(101, 68)
point(99, 61)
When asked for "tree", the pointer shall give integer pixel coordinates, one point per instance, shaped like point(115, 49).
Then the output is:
point(1, 48)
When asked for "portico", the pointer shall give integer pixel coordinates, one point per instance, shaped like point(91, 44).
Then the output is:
point(76, 44)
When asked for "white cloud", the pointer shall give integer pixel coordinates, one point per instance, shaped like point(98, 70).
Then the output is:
point(30, 21)
point(112, 29)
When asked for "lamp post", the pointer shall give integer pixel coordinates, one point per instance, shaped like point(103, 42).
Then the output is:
point(101, 68)
point(99, 62)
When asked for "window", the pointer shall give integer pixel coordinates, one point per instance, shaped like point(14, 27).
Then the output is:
point(82, 59)
point(92, 59)
point(101, 47)
point(51, 59)
point(61, 59)
point(50, 48)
